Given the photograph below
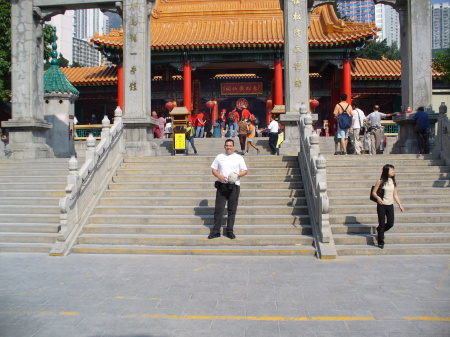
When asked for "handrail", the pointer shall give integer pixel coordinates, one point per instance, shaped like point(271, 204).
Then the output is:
point(84, 184)
point(442, 140)
point(313, 167)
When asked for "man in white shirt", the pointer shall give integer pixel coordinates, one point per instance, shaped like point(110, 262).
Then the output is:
point(273, 134)
point(358, 123)
point(222, 166)
point(374, 120)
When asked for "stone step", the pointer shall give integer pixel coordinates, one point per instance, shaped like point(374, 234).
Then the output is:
point(357, 228)
point(398, 177)
point(175, 219)
point(206, 171)
point(208, 159)
point(30, 209)
point(358, 200)
point(196, 250)
point(19, 193)
point(28, 237)
point(13, 171)
point(195, 229)
point(398, 163)
point(364, 192)
point(33, 179)
point(417, 208)
point(392, 238)
point(198, 210)
point(204, 193)
point(29, 201)
point(194, 179)
point(196, 240)
point(29, 218)
point(399, 218)
point(20, 247)
point(185, 185)
point(206, 165)
point(400, 183)
point(394, 249)
point(385, 157)
point(32, 186)
point(29, 228)
point(356, 169)
point(199, 200)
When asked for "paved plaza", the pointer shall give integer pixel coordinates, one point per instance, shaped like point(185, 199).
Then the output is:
point(162, 296)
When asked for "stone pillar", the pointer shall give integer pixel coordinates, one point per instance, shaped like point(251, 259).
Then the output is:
point(27, 127)
point(137, 78)
point(296, 70)
point(415, 39)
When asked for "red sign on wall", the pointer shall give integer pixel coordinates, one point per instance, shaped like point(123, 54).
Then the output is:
point(242, 88)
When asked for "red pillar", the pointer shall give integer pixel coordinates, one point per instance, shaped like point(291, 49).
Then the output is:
point(346, 80)
point(120, 85)
point(187, 85)
point(278, 82)
point(215, 111)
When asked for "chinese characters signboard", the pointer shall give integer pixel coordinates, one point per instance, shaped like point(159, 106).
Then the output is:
point(241, 88)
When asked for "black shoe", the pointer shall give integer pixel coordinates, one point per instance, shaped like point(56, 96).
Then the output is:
point(214, 235)
point(230, 235)
point(381, 245)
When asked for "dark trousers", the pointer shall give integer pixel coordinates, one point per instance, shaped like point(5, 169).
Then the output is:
point(385, 220)
point(224, 195)
point(423, 141)
point(242, 139)
point(273, 139)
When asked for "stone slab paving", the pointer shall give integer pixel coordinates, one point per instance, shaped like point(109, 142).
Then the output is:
point(168, 296)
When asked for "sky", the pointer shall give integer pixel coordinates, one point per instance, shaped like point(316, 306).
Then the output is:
point(439, 1)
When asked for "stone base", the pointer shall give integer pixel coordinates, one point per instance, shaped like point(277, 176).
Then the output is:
point(139, 136)
point(291, 143)
point(27, 138)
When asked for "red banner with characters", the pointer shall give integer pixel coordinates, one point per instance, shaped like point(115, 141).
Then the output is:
point(242, 88)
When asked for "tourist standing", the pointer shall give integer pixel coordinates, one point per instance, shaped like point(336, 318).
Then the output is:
point(273, 134)
point(200, 130)
point(232, 122)
point(385, 205)
point(190, 136)
point(242, 133)
point(226, 167)
point(358, 123)
point(342, 109)
point(422, 130)
point(216, 129)
point(374, 120)
point(250, 136)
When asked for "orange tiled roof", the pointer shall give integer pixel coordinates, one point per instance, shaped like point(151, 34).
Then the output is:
point(103, 75)
point(196, 24)
point(379, 70)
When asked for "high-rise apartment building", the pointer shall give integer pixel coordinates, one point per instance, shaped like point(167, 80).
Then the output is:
point(359, 10)
point(441, 25)
point(64, 26)
point(387, 19)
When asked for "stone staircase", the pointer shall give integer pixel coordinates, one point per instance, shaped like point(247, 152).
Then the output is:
point(29, 203)
point(165, 205)
point(424, 189)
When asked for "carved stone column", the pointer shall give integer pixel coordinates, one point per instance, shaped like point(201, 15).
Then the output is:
point(27, 126)
point(137, 78)
point(296, 70)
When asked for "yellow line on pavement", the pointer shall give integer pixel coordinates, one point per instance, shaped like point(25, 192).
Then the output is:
point(421, 318)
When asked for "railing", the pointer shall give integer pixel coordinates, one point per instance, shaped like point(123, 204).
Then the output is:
point(314, 177)
point(442, 141)
point(390, 128)
point(84, 184)
point(83, 131)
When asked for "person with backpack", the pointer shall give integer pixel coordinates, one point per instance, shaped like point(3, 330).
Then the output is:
point(374, 120)
point(358, 125)
point(343, 112)
point(233, 119)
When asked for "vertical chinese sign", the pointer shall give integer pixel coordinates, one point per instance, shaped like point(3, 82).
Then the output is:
point(296, 55)
point(136, 57)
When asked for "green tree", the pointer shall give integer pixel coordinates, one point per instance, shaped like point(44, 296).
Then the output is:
point(77, 65)
point(377, 49)
point(63, 62)
point(5, 50)
point(441, 63)
point(48, 40)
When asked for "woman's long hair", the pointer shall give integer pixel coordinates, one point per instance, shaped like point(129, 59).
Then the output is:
point(385, 175)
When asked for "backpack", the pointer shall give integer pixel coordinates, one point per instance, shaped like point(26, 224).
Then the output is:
point(345, 120)
point(231, 117)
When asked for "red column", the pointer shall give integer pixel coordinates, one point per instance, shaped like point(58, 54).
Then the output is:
point(346, 76)
point(120, 85)
point(278, 82)
point(187, 85)
point(269, 107)
point(215, 111)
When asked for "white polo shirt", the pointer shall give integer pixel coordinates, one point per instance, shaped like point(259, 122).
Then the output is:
point(273, 126)
point(226, 164)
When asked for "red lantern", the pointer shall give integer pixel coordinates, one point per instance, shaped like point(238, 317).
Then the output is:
point(210, 104)
point(314, 103)
point(169, 105)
